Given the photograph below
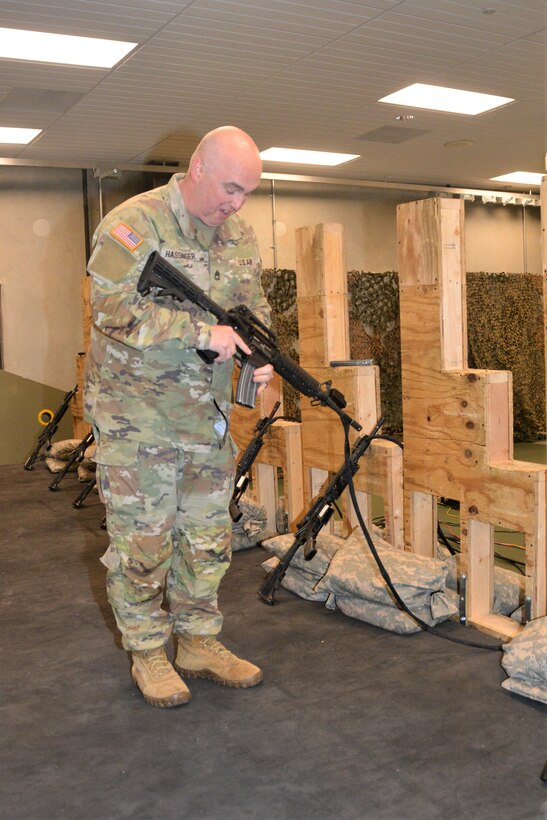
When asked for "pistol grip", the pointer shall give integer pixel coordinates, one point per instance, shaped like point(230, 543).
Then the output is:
point(246, 387)
point(208, 356)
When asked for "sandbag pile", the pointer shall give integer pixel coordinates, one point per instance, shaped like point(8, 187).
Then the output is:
point(344, 575)
point(525, 661)
point(61, 452)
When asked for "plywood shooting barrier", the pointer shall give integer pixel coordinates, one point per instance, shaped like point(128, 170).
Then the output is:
point(311, 451)
point(322, 305)
point(458, 422)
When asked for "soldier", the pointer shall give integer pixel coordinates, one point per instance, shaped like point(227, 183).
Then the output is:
point(161, 415)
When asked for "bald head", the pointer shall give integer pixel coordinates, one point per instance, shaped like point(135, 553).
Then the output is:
point(224, 169)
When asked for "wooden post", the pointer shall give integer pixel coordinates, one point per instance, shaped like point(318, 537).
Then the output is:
point(321, 277)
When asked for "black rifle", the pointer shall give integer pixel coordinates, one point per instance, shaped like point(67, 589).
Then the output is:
point(247, 460)
point(79, 500)
point(317, 516)
point(160, 274)
point(47, 434)
point(76, 457)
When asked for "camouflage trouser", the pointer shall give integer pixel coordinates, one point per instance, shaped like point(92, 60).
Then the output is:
point(170, 530)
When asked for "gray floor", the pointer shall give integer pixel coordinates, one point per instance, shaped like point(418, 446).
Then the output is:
point(350, 722)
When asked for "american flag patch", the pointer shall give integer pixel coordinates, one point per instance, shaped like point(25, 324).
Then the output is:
point(127, 236)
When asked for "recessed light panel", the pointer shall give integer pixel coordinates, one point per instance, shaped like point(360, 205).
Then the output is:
point(18, 136)
point(43, 47)
point(303, 157)
point(451, 100)
point(520, 178)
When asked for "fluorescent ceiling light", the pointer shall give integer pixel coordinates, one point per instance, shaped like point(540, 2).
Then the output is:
point(42, 47)
point(19, 136)
point(520, 177)
point(438, 98)
point(305, 157)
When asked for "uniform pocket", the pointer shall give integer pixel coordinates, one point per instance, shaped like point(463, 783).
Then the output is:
point(116, 452)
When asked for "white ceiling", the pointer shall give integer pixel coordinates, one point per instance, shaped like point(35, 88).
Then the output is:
point(295, 73)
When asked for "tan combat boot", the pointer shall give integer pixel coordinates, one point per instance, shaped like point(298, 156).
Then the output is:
point(159, 683)
point(202, 656)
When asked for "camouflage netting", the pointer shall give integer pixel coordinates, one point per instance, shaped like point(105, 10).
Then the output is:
point(374, 334)
point(280, 290)
point(505, 332)
point(525, 661)
point(505, 329)
point(373, 300)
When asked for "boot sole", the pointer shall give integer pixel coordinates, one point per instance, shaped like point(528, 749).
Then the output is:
point(208, 674)
point(178, 699)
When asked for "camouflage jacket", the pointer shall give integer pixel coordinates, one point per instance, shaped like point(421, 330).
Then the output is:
point(144, 379)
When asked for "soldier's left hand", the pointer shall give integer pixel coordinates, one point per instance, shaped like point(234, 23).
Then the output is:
point(263, 375)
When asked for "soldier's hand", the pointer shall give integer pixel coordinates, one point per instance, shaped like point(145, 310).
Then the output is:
point(224, 341)
point(263, 376)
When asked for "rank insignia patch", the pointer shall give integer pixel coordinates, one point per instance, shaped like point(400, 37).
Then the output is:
point(127, 236)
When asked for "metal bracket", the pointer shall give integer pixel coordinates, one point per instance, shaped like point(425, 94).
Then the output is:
point(106, 173)
point(463, 599)
point(527, 609)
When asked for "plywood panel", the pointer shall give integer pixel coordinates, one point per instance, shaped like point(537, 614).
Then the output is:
point(458, 422)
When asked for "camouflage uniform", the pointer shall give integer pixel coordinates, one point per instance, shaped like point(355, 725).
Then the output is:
point(161, 415)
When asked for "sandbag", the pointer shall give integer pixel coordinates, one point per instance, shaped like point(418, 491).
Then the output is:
point(251, 527)
point(59, 453)
point(525, 661)
point(326, 545)
point(442, 606)
point(63, 450)
point(360, 591)
point(301, 583)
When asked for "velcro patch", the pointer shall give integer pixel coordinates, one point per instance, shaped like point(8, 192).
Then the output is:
point(127, 236)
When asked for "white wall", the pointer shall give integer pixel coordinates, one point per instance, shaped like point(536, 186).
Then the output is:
point(497, 238)
point(42, 261)
point(502, 239)
point(368, 216)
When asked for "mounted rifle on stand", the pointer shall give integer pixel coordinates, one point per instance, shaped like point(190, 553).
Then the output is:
point(319, 514)
point(76, 458)
point(44, 440)
point(247, 459)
